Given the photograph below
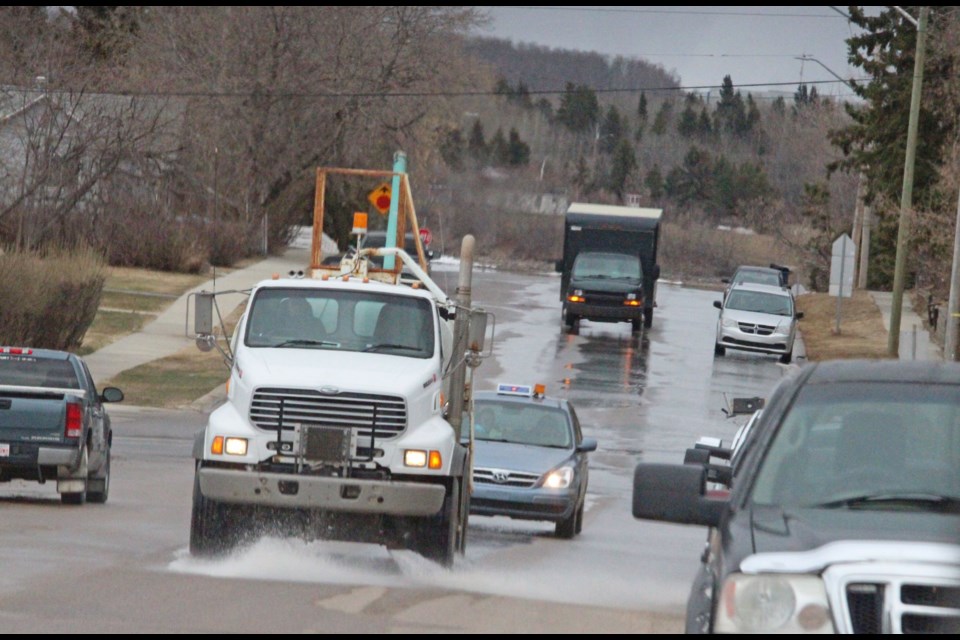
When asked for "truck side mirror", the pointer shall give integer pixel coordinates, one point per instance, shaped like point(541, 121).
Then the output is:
point(656, 272)
point(477, 333)
point(558, 266)
point(675, 493)
point(203, 314)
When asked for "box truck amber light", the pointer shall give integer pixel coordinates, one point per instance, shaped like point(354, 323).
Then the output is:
point(230, 446)
point(420, 459)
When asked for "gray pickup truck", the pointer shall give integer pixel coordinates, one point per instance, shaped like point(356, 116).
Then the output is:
point(53, 425)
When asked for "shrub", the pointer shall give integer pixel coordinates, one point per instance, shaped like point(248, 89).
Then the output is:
point(48, 300)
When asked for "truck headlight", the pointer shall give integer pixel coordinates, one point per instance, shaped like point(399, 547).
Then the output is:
point(559, 478)
point(768, 603)
point(236, 446)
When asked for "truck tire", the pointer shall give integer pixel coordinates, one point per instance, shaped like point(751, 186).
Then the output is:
point(98, 487)
point(212, 531)
point(437, 535)
point(79, 497)
point(636, 325)
point(648, 318)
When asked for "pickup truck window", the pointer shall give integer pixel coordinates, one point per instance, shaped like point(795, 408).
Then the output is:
point(28, 371)
point(880, 445)
point(341, 320)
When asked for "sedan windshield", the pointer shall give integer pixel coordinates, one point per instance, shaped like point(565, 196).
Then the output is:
point(522, 423)
point(866, 446)
point(760, 302)
point(607, 265)
point(341, 320)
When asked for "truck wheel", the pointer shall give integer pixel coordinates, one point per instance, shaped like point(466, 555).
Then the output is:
point(648, 318)
point(79, 497)
point(636, 325)
point(211, 531)
point(437, 535)
point(99, 485)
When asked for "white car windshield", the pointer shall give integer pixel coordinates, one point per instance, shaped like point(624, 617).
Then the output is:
point(760, 302)
point(341, 320)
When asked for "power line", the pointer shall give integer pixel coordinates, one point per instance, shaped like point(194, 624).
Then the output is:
point(412, 94)
point(754, 14)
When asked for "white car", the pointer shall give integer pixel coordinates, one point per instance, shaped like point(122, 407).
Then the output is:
point(760, 318)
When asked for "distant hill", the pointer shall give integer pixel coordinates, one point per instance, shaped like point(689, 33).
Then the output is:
point(544, 69)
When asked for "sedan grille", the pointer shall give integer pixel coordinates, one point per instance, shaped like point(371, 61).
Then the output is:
point(504, 478)
point(366, 412)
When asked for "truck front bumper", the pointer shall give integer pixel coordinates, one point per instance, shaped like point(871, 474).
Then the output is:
point(324, 493)
point(603, 313)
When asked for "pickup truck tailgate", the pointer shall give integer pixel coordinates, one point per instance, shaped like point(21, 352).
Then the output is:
point(32, 415)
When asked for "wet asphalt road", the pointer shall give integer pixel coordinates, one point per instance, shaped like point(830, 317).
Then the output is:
point(123, 566)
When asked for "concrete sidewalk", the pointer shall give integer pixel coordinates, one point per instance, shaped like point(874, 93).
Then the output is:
point(170, 331)
point(915, 340)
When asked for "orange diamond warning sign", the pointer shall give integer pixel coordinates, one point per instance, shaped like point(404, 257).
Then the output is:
point(380, 198)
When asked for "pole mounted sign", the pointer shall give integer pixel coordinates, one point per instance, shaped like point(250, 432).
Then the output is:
point(380, 198)
point(841, 271)
point(426, 237)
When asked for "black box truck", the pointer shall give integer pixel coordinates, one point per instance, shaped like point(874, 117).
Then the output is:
point(609, 269)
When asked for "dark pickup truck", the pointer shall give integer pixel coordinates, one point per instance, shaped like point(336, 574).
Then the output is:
point(53, 425)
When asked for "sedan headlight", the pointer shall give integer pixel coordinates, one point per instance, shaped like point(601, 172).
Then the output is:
point(559, 478)
point(773, 603)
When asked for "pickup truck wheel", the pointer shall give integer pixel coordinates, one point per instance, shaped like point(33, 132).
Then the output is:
point(79, 497)
point(99, 485)
point(211, 531)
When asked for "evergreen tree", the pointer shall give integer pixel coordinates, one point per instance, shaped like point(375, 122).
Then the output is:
point(518, 151)
point(477, 145)
point(611, 130)
point(579, 108)
point(688, 122)
point(654, 183)
point(624, 163)
point(452, 147)
point(499, 149)
point(730, 114)
point(662, 120)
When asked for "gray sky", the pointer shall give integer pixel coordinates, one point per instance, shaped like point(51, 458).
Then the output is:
point(754, 45)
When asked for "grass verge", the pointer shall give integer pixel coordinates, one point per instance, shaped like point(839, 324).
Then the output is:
point(862, 334)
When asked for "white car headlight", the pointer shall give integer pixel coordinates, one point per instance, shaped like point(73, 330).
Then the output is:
point(728, 323)
point(559, 478)
point(783, 328)
point(773, 603)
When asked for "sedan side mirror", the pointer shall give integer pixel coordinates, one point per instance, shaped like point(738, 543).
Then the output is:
point(588, 444)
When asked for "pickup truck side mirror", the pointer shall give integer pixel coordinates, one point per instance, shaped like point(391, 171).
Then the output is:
point(111, 394)
point(675, 493)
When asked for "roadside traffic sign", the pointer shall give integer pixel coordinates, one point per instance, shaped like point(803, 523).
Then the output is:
point(380, 198)
point(425, 236)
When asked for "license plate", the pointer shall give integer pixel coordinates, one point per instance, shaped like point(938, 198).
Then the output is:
point(325, 444)
point(4, 450)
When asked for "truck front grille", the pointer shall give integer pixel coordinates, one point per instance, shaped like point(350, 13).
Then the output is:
point(603, 299)
point(912, 607)
point(366, 412)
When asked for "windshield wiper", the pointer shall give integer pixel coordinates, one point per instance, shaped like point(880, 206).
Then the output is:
point(387, 345)
point(307, 343)
point(918, 498)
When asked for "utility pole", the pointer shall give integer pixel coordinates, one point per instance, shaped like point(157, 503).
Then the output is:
point(952, 341)
point(906, 196)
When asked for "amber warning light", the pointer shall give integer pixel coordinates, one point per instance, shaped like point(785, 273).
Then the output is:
point(359, 223)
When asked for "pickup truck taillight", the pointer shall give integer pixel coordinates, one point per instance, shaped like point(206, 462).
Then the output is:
point(73, 426)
